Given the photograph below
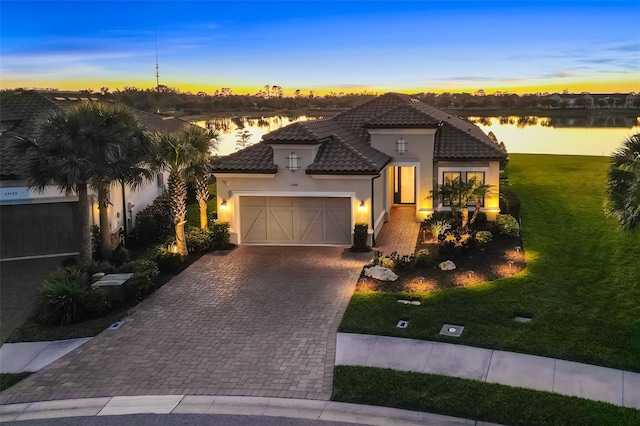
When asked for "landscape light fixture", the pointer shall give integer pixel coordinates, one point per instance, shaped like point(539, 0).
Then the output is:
point(223, 205)
point(401, 146)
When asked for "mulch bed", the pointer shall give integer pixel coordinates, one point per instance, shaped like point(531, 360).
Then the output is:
point(502, 257)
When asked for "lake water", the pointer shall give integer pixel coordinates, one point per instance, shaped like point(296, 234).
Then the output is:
point(596, 135)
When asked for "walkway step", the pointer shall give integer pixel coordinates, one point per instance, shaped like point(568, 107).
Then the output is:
point(33, 356)
point(492, 366)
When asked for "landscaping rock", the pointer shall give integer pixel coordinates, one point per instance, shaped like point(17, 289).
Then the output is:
point(380, 273)
point(447, 266)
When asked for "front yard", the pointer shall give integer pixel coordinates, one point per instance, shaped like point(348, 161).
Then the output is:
point(581, 286)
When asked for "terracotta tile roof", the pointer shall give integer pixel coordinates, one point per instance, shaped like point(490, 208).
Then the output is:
point(20, 113)
point(335, 156)
point(256, 158)
point(402, 116)
point(296, 132)
point(346, 143)
point(454, 143)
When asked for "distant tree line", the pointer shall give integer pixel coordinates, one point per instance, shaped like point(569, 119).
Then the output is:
point(170, 100)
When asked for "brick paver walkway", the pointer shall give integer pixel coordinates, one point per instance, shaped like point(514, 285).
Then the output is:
point(256, 321)
point(400, 233)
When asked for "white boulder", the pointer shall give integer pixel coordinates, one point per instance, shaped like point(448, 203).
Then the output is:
point(380, 273)
point(447, 265)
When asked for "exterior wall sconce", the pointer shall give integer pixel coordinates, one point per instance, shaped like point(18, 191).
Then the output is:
point(401, 146)
point(361, 206)
point(223, 205)
point(292, 162)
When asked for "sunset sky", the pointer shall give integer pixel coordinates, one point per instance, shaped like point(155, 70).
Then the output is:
point(323, 46)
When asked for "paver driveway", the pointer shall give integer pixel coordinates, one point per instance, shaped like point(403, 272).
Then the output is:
point(258, 321)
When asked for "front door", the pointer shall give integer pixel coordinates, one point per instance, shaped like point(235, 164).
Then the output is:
point(404, 185)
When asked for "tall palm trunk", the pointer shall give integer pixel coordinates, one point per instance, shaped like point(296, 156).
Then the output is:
point(202, 195)
point(85, 232)
point(178, 193)
point(105, 229)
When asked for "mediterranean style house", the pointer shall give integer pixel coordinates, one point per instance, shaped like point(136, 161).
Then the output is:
point(309, 183)
point(44, 224)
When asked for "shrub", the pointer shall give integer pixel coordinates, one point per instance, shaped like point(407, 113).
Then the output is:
point(509, 201)
point(441, 215)
point(154, 223)
point(120, 256)
point(438, 228)
point(481, 220)
point(360, 235)
point(220, 234)
point(96, 240)
point(421, 259)
point(65, 299)
point(95, 303)
point(199, 240)
point(385, 262)
point(144, 276)
point(400, 263)
point(483, 237)
point(508, 225)
point(168, 260)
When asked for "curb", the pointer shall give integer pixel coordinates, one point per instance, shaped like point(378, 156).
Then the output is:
point(234, 405)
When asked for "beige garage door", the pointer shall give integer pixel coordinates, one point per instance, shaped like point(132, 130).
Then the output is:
point(295, 220)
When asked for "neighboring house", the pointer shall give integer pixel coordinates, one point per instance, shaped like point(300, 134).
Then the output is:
point(310, 182)
point(38, 224)
point(586, 100)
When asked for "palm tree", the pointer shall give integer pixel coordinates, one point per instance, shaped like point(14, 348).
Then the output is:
point(80, 147)
point(623, 184)
point(199, 174)
point(178, 152)
point(460, 194)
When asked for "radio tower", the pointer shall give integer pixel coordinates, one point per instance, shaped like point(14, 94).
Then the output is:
point(155, 33)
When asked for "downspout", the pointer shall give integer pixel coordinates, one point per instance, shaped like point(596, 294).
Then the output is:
point(124, 214)
point(373, 219)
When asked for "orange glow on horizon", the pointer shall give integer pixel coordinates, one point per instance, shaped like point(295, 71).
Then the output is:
point(601, 86)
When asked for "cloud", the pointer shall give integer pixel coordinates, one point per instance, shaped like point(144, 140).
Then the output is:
point(559, 74)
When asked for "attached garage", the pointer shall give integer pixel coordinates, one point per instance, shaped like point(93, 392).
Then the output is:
point(39, 229)
point(295, 220)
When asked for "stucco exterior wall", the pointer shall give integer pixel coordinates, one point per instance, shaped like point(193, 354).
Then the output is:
point(491, 170)
point(419, 154)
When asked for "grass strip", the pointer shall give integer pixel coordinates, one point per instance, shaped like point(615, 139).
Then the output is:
point(473, 399)
point(9, 379)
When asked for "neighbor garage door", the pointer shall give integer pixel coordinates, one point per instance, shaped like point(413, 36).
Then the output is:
point(39, 229)
point(295, 220)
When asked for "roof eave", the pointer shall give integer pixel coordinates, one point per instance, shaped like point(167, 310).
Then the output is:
point(342, 173)
point(401, 126)
point(252, 171)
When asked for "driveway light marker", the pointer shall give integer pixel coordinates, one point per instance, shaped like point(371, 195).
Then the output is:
point(451, 330)
point(116, 325)
point(402, 324)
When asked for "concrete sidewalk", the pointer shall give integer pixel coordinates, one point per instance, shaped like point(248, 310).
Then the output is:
point(492, 366)
point(32, 356)
point(238, 405)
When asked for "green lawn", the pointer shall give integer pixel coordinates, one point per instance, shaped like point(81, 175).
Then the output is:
point(581, 285)
point(9, 379)
point(472, 399)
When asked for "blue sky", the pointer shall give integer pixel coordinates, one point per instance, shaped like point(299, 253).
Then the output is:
point(332, 45)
